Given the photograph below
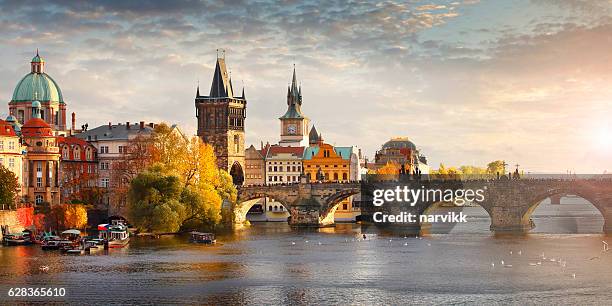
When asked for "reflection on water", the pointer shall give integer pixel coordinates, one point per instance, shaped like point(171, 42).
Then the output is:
point(270, 263)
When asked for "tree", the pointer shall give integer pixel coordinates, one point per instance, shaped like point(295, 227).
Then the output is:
point(153, 203)
point(9, 185)
point(496, 167)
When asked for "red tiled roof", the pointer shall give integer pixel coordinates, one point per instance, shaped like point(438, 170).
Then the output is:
point(6, 129)
point(36, 127)
point(72, 141)
point(298, 151)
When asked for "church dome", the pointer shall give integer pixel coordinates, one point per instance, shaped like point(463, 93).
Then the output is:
point(399, 143)
point(37, 85)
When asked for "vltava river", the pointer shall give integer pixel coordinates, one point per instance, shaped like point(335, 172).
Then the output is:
point(270, 263)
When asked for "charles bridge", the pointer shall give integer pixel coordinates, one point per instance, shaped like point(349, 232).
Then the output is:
point(509, 203)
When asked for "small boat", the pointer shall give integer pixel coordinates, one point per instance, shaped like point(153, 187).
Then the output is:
point(116, 234)
point(70, 240)
point(206, 238)
point(23, 238)
point(50, 243)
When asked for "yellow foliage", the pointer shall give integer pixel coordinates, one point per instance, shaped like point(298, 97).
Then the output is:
point(389, 168)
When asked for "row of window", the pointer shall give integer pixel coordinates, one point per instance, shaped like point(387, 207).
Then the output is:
point(280, 168)
point(280, 178)
point(325, 166)
point(283, 163)
point(253, 176)
point(105, 150)
point(77, 153)
point(11, 145)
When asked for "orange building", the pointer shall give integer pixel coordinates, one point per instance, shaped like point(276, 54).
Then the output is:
point(326, 163)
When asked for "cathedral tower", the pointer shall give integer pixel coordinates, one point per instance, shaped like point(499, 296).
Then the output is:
point(294, 125)
point(221, 117)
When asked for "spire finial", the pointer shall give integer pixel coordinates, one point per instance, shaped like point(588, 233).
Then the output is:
point(37, 52)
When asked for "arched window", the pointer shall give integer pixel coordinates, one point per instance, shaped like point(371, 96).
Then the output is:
point(344, 177)
point(335, 176)
point(88, 154)
point(65, 153)
point(236, 143)
point(275, 208)
point(77, 153)
point(270, 208)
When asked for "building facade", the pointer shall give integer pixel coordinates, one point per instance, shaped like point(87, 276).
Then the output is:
point(78, 170)
point(114, 143)
point(283, 164)
point(326, 163)
point(42, 183)
point(221, 120)
point(11, 152)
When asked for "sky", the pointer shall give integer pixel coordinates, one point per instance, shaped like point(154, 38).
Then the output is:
point(468, 81)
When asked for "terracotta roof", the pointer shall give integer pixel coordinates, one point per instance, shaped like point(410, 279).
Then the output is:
point(73, 141)
point(6, 129)
point(298, 151)
point(36, 127)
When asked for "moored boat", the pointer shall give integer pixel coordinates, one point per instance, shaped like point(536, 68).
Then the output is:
point(23, 238)
point(70, 240)
point(206, 238)
point(50, 242)
point(116, 234)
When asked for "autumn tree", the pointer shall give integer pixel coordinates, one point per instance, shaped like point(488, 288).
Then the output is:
point(391, 167)
point(203, 187)
point(496, 167)
point(9, 186)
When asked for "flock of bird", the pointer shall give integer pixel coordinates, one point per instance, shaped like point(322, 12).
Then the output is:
point(543, 259)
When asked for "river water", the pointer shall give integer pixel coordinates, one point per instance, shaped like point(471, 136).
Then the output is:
point(270, 263)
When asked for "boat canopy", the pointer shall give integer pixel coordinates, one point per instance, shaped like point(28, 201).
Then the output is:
point(72, 232)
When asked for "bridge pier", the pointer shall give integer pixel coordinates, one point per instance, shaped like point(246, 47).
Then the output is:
point(510, 219)
point(555, 200)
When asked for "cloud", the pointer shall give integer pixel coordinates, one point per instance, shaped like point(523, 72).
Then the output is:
point(466, 85)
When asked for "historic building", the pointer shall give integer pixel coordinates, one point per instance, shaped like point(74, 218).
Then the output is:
point(11, 151)
point(113, 143)
point(283, 164)
point(221, 117)
point(401, 151)
point(255, 166)
point(41, 184)
point(294, 125)
point(39, 86)
point(326, 163)
point(78, 170)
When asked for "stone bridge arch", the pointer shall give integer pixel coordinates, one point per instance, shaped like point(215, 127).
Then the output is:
point(249, 196)
point(332, 202)
point(583, 190)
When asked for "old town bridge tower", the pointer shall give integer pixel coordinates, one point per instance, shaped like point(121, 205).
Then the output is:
point(221, 117)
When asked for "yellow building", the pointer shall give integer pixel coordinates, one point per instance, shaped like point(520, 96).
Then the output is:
point(11, 151)
point(326, 163)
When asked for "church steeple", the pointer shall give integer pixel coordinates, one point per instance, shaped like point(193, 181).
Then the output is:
point(221, 85)
point(294, 99)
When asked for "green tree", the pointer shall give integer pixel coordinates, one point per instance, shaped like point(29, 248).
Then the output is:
point(8, 187)
point(153, 202)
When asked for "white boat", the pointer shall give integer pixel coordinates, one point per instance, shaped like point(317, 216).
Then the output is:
point(116, 234)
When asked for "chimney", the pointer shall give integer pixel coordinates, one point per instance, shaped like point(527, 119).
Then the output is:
point(142, 125)
point(127, 125)
point(110, 125)
point(73, 121)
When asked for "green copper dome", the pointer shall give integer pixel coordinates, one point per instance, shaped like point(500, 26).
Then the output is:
point(37, 87)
